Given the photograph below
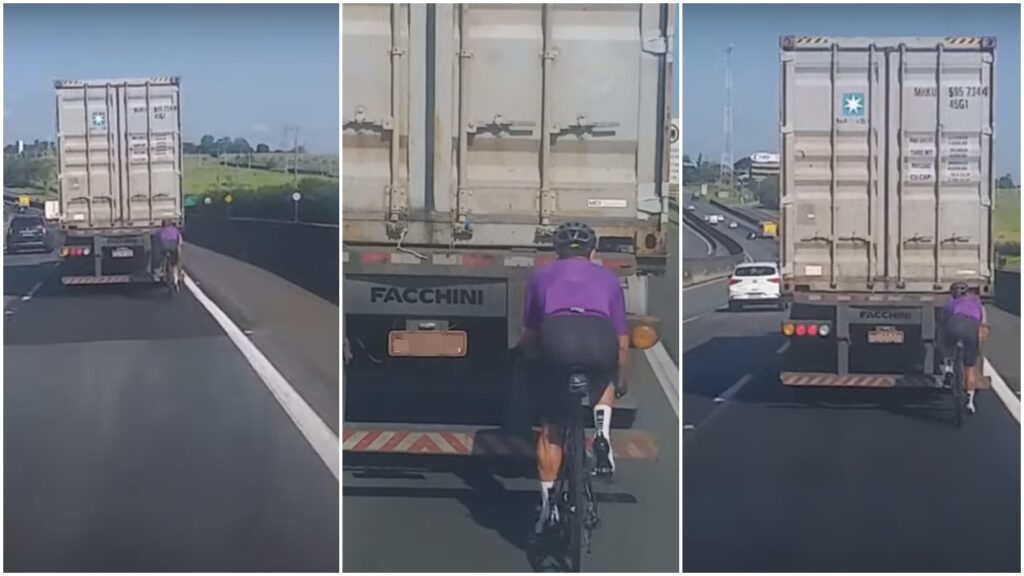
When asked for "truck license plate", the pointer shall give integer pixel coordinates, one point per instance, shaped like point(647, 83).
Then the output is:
point(425, 344)
point(122, 253)
point(885, 336)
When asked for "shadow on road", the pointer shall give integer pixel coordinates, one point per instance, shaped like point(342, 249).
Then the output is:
point(510, 513)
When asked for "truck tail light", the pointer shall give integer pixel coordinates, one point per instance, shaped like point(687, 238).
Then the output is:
point(812, 329)
point(644, 336)
point(824, 330)
point(801, 329)
point(788, 328)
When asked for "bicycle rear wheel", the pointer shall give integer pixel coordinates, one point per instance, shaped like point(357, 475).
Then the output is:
point(577, 507)
point(959, 393)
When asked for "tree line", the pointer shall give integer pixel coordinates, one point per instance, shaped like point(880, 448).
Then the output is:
point(212, 146)
point(207, 145)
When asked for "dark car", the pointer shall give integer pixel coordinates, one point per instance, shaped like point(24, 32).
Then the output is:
point(28, 232)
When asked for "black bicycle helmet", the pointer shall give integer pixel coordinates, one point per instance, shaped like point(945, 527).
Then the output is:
point(574, 239)
point(958, 288)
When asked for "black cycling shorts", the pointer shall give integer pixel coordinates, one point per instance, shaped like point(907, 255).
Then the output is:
point(963, 329)
point(568, 344)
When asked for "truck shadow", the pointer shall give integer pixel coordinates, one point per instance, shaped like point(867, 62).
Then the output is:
point(486, 495)
point(711, 368)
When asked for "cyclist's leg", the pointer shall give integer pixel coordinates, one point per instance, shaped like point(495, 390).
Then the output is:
point(965, 330)
point(549, 440)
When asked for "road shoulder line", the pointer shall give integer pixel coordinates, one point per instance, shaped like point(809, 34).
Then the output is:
point(667, 373)
point(1003, 392)
point(320, 437)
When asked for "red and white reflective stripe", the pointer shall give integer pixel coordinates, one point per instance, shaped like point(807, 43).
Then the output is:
point(79, 280)
point(626, 444)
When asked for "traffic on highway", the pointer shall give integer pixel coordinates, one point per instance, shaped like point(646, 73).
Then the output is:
point(170, 395)
point(851, 389)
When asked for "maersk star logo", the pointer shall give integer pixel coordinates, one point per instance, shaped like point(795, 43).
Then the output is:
point(99, 119)
point(853, 104)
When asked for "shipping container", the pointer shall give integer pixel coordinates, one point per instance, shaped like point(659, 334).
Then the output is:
point(485, 125)
point(887, 180)
point(119, 174)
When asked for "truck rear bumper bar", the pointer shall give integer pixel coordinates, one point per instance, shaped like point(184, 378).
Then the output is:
point(860, 380)
point(478, 442)
point(113, 279)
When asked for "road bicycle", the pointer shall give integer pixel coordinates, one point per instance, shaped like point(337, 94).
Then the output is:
point(954, 380)
point(574, 508)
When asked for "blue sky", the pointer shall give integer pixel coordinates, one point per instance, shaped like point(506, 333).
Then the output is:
point(247, 70)
point(754, 32)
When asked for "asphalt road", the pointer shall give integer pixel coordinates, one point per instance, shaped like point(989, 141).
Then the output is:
point(468, 514)
point(138, 438)
point(759, 250)
point(695, 246)
point(856, 481)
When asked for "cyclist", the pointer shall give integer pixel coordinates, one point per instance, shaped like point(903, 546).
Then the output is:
point(964, 317)
point(574, 316)
point(169, 241)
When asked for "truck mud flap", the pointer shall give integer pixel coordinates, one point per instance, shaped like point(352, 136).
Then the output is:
point(476, 442)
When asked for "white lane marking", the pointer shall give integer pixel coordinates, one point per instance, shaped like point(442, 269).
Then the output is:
point(735, 388)
point(35, 288)
point(323, 440)
point(688, 426)
point(698, 317)
point(666, 372)
point(783, 348)
point(1003, 391)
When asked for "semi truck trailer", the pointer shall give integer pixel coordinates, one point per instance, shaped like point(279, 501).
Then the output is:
point(119, 176)
point(886, 200)
point(470, 132)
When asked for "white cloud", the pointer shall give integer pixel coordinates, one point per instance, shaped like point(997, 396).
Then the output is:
point(260, 129)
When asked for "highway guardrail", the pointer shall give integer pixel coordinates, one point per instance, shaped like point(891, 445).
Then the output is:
point(702, 269)
point(1008, 290)
point(304, 254)
point(738, 214)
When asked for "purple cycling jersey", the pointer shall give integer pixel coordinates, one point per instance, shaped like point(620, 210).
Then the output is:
point(968, 305)
point(570, 285)
point(169, 236)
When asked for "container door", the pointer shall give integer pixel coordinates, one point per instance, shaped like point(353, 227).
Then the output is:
point(149, 120)
point(374, 119)
point(833, 116)
point(549, 105)
point(500, 79)
point(940, 175)
point(89, 147)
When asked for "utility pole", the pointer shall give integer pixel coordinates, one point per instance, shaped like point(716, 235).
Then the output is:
point(725, 169)
point(291, 135)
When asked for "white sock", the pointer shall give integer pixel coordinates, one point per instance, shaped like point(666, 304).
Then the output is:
point(545, 489)
point(545, 505)
point(970, 395)
point(603, 419)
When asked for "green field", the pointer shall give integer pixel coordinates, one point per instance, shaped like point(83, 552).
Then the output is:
point(1006, 217)
point(204, 175)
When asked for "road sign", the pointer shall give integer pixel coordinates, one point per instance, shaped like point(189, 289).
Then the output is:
point(207, 200)
point(190, 201)
point(296, 197)
point(228, 198)
point(24, 200)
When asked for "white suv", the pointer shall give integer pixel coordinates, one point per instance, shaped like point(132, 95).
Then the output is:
point(755, 283)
